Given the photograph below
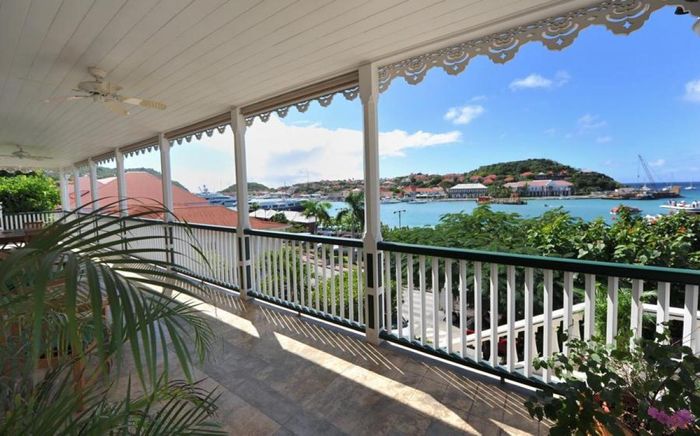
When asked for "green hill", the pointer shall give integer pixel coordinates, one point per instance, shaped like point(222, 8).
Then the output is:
point(252, 187)
point(518, 167)
point(584, 182)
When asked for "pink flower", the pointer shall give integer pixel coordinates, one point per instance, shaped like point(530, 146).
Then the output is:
point(681, 419)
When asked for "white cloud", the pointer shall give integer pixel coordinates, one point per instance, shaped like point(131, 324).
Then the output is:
point(692, 91)
point(534, 81)
point(657, 163)
point(464, 114)
point(279, 152)
point(590, 122)
point(603, 139)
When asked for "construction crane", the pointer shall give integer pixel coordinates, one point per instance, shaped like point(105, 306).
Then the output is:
point(647, 170)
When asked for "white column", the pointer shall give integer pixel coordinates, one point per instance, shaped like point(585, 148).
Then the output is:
point(243, 240)
point(166, 176)
point(94, 186)
point(121, 183)
point(76, 187)
point(63, 186)
point(374, 291)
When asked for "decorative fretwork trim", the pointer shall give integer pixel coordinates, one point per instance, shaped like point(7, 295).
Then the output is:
point(196, 130)
point(104, 158)
point(302, 106)
point(301, 98)
point(621, 17)
point(140, 147)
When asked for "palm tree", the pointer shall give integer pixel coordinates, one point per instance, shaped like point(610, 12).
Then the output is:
point(78, 299)
point(318, 210)
point(355, 210)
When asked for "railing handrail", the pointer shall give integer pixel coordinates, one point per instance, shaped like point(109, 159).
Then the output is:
point(345, 242)
point(644, 272)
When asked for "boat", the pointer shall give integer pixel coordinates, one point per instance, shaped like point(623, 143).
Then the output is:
point(418, 201)
point(689, 187)
point(390, 201)
point(217, 198)
point(682, 206)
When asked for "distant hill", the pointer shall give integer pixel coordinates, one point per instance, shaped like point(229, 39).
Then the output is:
point(252, 187)
point(584, 182)
point(517, 167)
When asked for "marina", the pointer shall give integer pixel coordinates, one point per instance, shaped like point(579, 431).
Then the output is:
point(586, 208)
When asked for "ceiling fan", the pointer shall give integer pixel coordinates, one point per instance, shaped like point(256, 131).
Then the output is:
point(21, 154)
point(100, 90)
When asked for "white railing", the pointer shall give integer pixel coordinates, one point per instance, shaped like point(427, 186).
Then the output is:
point(450, 299)
point(21, 220)
point(323, 276)
point(439, 300)
point(218, 246)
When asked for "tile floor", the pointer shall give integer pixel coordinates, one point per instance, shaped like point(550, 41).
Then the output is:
point(279, 373)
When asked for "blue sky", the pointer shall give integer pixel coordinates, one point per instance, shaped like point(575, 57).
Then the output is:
point(595, 105)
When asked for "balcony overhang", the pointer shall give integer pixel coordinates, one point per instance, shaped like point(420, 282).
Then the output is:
point(206, 57)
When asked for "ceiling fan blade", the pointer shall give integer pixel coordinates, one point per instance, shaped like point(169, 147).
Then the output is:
point(151, 104)
point(116, 107)
point(62, 98)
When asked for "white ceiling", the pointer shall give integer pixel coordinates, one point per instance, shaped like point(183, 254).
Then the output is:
point(201, 57)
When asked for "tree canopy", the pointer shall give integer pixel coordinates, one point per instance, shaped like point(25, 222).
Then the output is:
point(28, 193)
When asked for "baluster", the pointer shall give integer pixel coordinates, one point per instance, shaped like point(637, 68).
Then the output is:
point(360, 286)
point(510, 316)
point(663, 294)
point(637, 309)
point(448, 303)
point(309, 302)
point(529, 330)
point(463, 308)
point(477, 311)
point(421, 277)
point(690, 318)
point(341, 280)
point(351, 285)
point(317, 284)
point(409, 278)
point(611, 322)
point(294, 250)
point(493, 319)
point(324, 282)
point(589, 308)
point(288, 276)
point(435, 283)
point(387, 291)
point(332, 278)
point(548, 292)
point(568, 308)
point(399, 294)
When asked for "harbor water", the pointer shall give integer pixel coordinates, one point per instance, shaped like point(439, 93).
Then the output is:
point(428, 214)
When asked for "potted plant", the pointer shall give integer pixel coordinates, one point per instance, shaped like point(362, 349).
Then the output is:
point(77, 301)
point(650, 387)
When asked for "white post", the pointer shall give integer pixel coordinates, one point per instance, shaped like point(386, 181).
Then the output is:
point(63, 186)
point(2, 226)
point(374, 295)
point(121, 183)
point(76, 187)
point(166, 176)
point(243, 240)
point(94, 186)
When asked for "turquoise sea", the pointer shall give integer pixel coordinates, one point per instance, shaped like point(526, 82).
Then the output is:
point(429, 214)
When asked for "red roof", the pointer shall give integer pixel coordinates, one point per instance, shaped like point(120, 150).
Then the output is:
point(145, 190)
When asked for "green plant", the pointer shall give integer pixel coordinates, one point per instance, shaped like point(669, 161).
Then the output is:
point(649, 387)
point(28, 193)
point(78, 299)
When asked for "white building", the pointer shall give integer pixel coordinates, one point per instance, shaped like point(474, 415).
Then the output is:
point(542, 188)
point(467, 190)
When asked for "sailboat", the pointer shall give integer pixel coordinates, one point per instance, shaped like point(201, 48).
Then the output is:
point(690, 187)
